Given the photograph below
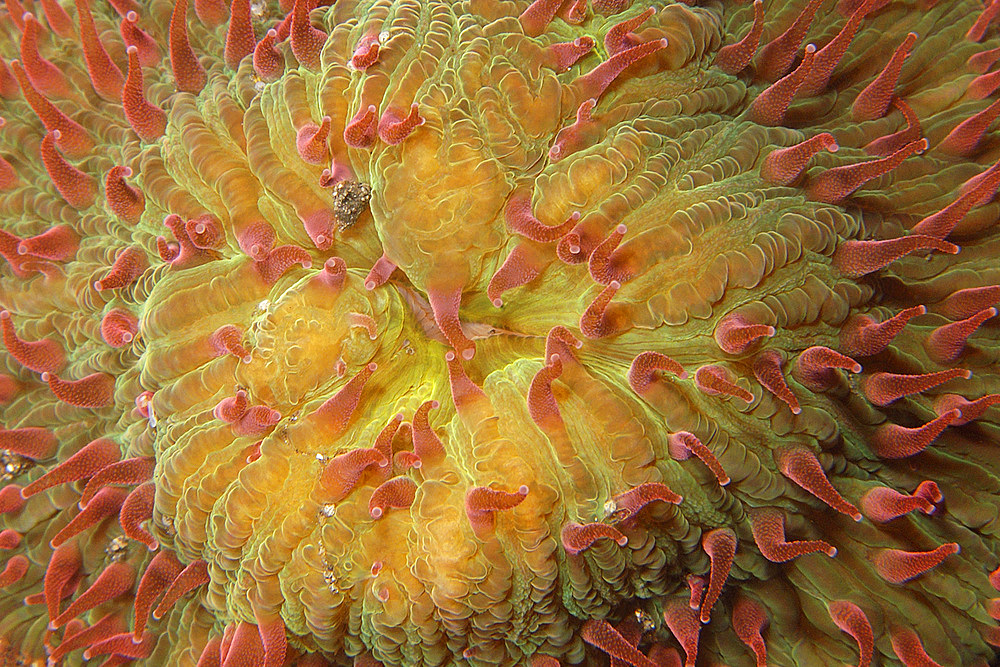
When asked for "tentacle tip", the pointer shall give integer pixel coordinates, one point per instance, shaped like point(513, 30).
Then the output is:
point(725, 481)
point(796, 410)
point(831, 552)
point(370, 285)
point(857, 517)
point(623, 540)
point(376, 513)
point(497, 303)
point(523, 490)
point(469, 352)
point(856, 368)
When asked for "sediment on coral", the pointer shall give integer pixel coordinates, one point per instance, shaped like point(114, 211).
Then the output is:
point(399, 332)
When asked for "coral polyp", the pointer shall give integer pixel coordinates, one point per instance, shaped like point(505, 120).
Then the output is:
point(411, 333)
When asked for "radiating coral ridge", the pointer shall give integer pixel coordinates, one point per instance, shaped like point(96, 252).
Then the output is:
point(487, 332)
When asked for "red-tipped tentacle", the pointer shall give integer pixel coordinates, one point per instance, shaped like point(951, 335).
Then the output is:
point(79, 189)
point(946, 343)
point(802, 467)
point(599, 633)
point(884, 388)
point(882, 504)
point(873, 102)
point(96, 390)
point(148, 120)
point(770, 107)
point(105, 76)
point(784, 166)
point(838, 183)
point(892, 441)
point(859, 258)
point(734, 58)
point(189, 75)
point(719, 381)
point(580, 537)
point(720, 545)
point(897, 566)
point(643, 369)
point(682, 444)
point(482, 503)
point(767, 369)
point(240, 40)
point(851, 619)
point(768, 527)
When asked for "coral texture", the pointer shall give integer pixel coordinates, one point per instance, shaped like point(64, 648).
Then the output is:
point(487, 332)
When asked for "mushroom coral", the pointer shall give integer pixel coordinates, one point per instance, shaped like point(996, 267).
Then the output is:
point(499, 333)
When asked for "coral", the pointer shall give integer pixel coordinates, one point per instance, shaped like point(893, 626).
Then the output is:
point(497, 332)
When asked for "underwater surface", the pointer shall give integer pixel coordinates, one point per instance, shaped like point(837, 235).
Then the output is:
point(488, 332)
